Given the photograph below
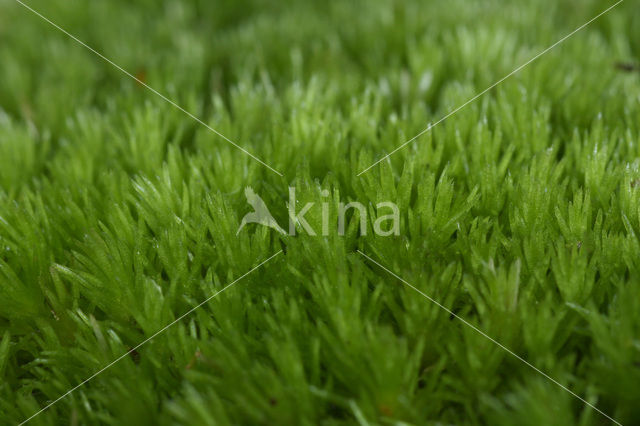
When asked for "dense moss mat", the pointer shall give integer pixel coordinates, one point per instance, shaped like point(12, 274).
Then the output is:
point(118, 213)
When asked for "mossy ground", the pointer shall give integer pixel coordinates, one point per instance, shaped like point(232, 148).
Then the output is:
point(118, 213)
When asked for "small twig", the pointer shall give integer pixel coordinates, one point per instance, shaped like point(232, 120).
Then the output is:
point(627, 67)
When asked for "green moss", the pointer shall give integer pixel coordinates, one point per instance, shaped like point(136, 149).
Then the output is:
point(118, 213)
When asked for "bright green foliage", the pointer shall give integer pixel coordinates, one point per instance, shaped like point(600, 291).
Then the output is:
point(118, 213)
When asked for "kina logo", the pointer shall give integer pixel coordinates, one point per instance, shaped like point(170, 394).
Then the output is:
point(260, 214)
point(384, 224)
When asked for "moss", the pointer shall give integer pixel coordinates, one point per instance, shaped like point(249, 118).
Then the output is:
point(118, 213)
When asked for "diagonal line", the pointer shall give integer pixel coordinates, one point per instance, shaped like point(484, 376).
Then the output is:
point(485, 335)
point(148, 87)
point(431, 126)
point(148, 339)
